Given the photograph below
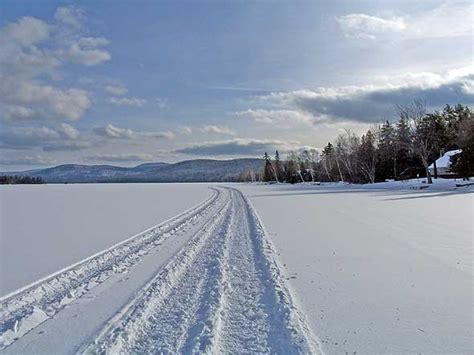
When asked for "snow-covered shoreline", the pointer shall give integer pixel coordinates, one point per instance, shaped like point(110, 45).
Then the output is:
point(440, 184)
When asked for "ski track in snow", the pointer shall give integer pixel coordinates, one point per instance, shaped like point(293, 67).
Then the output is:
point(222, 292)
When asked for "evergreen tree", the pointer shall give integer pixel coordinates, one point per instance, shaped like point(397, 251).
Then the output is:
point(291, 168)
point(277, 167)
point(402, 147)
point(327, 162)
point(368, 156)
point(268, 169)
point(464, 162)
point(387, 168)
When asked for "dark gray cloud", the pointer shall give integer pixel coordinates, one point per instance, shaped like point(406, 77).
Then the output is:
point(63, 137)
point(250, 147)
point(67, 146)
point(119, 158)
point(374, 104)
point(25, 160)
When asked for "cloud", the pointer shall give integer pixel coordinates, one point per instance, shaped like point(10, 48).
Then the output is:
point(282, 118)
point(186, 130)
point(86, 51)
point(162, 102)
point(29, 159)
point(236, 146)
point(68, 131)
point(217, 130)
point(122, 157)
point(374, 103)
point(126, 101)
point(32, 53)
point(27, 137)
point(28, 100)
point(365, 26)
point(27, 31)
point(62, 137)
point(70, 16)
point(67, 146)
point(446, 20)
point(111, 131)
point(92, 42)
point(116, 90)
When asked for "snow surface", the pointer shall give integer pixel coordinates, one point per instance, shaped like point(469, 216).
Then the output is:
point(377, 270)
point(206, 281)
point(445, 160)
point(382, 268)
point(44, 228)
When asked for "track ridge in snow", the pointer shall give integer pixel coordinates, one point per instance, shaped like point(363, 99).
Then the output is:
point(223, 292)
point(25, 309)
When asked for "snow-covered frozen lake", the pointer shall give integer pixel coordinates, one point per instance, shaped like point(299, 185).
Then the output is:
point(44, 228)
point(376, 271)
point(373, 270)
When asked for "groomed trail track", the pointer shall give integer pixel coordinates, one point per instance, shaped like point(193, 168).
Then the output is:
point(206, 281)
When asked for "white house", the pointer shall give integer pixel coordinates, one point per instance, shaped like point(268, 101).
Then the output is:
point(443, 164)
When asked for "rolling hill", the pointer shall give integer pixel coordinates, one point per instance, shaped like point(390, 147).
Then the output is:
point(199, 170)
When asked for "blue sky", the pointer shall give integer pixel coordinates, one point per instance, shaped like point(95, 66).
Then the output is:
point(127, 82)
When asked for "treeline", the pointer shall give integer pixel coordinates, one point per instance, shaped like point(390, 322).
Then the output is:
point(400, 150)
point(20, 179)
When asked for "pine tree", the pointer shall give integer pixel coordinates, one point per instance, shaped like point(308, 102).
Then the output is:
point(402, 147)
point(464, 162)
point(387, 167)
point(277, 167)
point(368, 156)
point(327, 161)
point(268, 170)
point(291, 168)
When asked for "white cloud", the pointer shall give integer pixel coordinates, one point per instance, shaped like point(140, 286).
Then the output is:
point(365, 26)
point(27, 31)
point(32, 52)
point(128, 101)
point(69, 131)
point(450, 19)
point(446, 20)
point(86, 51)
point(30, 100)
point(69, 15)
point(283, 118)
point(92, 42)
point(218, 130)
point(186, 130)
point(116, 90)
point(111, 131)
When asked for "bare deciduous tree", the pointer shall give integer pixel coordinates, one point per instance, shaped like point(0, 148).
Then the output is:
point(421, 130)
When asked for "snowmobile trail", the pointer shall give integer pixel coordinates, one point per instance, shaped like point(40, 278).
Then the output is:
point(212, 286)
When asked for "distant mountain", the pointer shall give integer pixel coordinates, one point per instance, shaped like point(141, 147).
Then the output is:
point(199, 170)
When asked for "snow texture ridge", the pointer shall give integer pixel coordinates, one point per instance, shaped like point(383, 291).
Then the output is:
point(222, 293)
point(29, 306)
